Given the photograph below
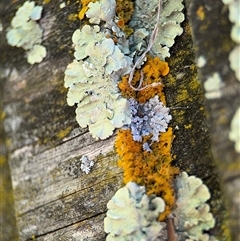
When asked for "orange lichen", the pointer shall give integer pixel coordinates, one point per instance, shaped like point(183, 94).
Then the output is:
point(152, 70)
point(120, 23)
point(153, 170)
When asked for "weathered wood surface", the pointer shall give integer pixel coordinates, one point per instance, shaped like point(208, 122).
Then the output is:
point(53, 199)
point(211, 33)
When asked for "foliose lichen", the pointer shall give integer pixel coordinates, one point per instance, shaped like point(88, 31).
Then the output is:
point(150, 118)
point(84, 8)
point(169, 26)
point(234, 134)
point(234, 56)
point(192, 216)
point(213, 86)
point(92, 77)
point(103, 10)
point(25, 32)
point(132, 215)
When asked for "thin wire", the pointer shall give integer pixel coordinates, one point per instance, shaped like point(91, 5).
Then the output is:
point(151, 42)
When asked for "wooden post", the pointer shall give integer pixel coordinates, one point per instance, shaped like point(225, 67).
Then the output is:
point(54, 200)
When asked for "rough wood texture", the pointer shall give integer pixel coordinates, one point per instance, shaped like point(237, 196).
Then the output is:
point(53, 199)
point(211, 31)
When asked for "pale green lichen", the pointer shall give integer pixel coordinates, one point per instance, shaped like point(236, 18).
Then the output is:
point(234, 56)
point(234, 59)
point(92, 78)
point(132, 216)
point(234, 134)
point(25, 32)
point(192, 216)
point(213, 86)
point(168, 28)
point(101, 11)
point(36, 54)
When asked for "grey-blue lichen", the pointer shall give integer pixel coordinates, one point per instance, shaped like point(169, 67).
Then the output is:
point(132, 216)
point(25, 32)
point(86, 164)
point(151, 117)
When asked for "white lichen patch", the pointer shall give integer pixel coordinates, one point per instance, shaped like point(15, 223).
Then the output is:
point(191, 212)
point(234, 134)
point(25, 32)
point(100, 106)
point(213, 86)
point(201, 61)
point(86, 164)
point(36, 54)
point(62, 5)
point(234, 13)
point(234, 59)
point(103, 10)
point(132, 215)
point(168, 28)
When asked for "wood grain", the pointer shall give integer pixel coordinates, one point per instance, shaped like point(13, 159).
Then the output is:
point(54, 200)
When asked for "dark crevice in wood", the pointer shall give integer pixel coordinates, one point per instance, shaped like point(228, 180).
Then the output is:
point(232, 178)
point(68, 195)
point(69, 225)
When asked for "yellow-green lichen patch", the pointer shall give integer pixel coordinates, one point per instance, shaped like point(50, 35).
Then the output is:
point(63, 133)
point(201, 13)
point(72, 17)
point(46, 1)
